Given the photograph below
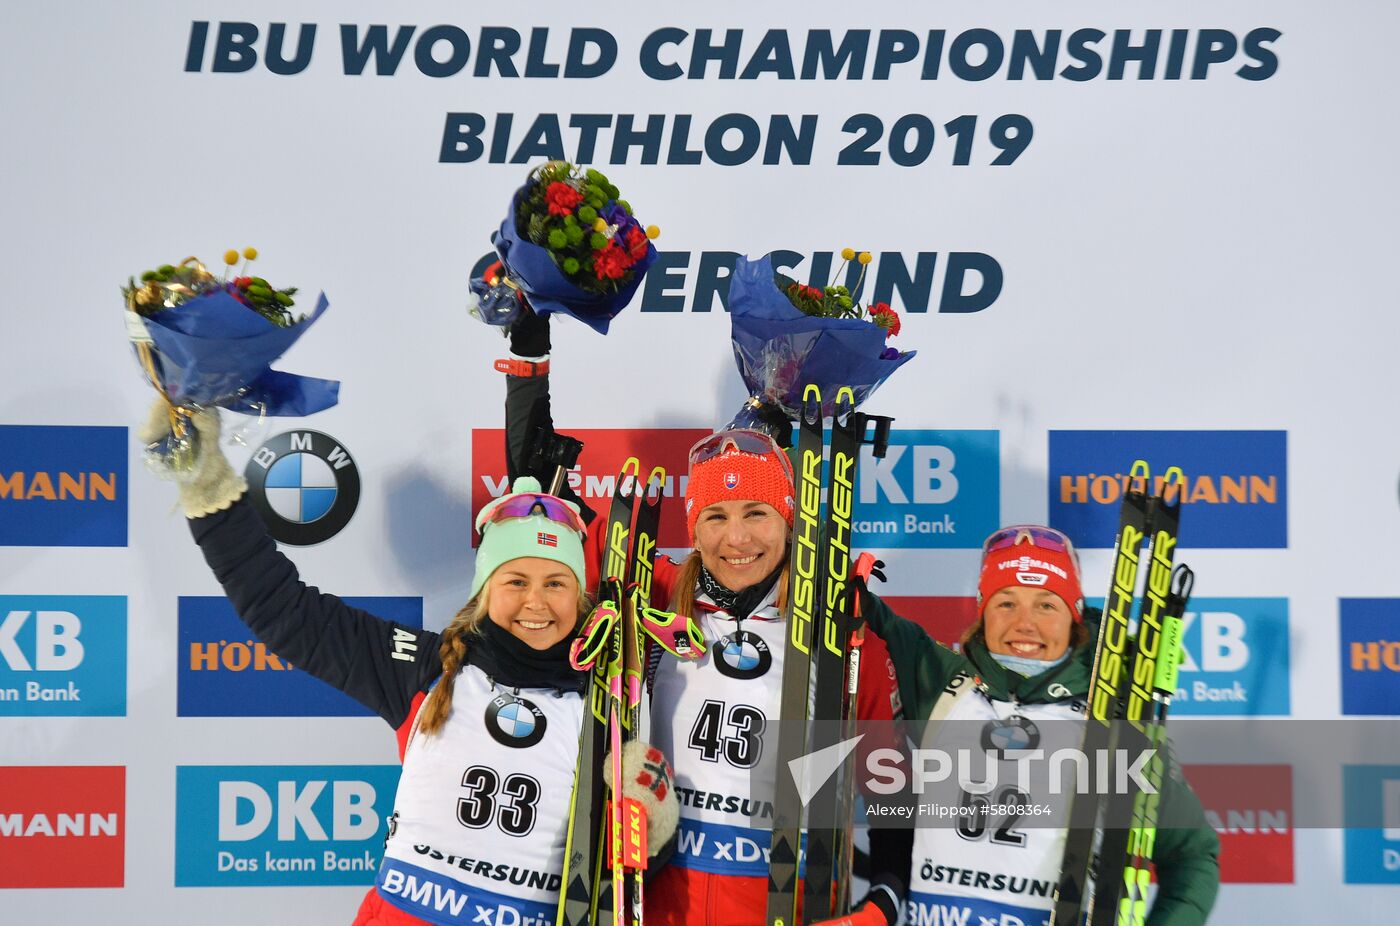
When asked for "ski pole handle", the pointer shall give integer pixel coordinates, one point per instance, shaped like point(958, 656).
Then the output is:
point(683, 642)
point(594, 637)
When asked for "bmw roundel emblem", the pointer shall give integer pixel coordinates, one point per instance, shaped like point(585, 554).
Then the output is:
point(305, 485)
point(515, 722)
point(1015, 732)
point(742, 655)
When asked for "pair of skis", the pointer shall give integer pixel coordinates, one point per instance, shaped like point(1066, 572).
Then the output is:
point(821, 663)
point(611, 646)
point(1104, 872)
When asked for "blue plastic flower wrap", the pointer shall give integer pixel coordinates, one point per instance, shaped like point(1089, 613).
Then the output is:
point(210, 349)
point(529, 271)
point(780, 349)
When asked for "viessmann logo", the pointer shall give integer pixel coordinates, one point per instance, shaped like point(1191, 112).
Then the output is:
point(595, 477)
point(62, 486)
point(1236, 484)
point(62, 826)
point(224, 671)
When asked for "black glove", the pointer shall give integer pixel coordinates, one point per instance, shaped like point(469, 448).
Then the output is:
point(529, 334)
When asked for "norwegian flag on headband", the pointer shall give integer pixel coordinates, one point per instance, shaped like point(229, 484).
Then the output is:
point(547, 540)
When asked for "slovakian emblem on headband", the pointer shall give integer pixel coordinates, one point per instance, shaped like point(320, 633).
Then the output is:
point(547, 540)
point(731, 480)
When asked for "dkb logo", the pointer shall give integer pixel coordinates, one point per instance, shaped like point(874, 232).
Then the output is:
point(259, 825)
point(62, 656)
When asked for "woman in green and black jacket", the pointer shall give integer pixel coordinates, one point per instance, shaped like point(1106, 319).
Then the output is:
point(1020, 682)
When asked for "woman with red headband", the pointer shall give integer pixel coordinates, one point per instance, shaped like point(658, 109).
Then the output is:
point(488, 711)
point(1021, 678)
point(716, 717)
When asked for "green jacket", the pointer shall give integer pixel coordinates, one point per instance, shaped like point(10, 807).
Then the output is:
point(1186, 855)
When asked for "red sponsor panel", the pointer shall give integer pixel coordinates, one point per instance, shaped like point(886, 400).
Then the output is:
point(1251, 807)
point(604, 452)
point(62, 826)
point(944, 617)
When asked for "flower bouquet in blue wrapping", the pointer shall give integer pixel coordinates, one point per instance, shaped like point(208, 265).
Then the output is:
point(787, 335)
point(203, 341)
point(569, 244)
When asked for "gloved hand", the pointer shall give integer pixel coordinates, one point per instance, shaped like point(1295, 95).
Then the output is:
point(646, 778)
point(529, 334)
point(866, 565)
point(213, 485)
point(867, 914)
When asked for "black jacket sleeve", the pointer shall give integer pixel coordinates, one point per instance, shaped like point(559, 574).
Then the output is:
point(379, 663)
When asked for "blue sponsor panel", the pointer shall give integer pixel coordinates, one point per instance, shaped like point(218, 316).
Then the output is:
point(438, 899)
point(932, 490)
point(224, 671)
point(1370, 629)
point(1236, 484)
point(62, 486)
point(950, 910)
point(62, 656)
point(1235, 658)
point(275, 826)
point(721, 849)
point(1371, 804)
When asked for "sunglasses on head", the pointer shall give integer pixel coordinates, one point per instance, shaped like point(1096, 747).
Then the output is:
point(739, 440)
point(1047, 538)
point(526, 504)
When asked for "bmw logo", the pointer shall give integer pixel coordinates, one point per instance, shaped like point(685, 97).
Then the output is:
point(305, 485)
point(742, 655)
point(1015, 732)
point(512, 721)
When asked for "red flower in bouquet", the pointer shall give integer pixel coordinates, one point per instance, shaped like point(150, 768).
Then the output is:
point(886, 317)
point(562, 198)
point(611, 262)
point(636, 243)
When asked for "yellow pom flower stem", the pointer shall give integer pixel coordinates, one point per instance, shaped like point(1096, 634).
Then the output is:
point(248, 254)
point(653, 232)
point(230, 258)
point(865, 259)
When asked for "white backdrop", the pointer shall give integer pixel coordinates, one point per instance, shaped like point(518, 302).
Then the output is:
point(1233, 231)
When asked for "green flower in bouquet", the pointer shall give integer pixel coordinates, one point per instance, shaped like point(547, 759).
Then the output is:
point(836, 301)
point(171, 285)
point(579, 217)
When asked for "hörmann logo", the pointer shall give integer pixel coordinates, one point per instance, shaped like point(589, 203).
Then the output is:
point(1370, 629)
point(1251, 808)
point(62, 826)
point(247, 826)
point(932, 490)
point(62, 486)
point(1236, 493)
point(224, 671)
point(62, 655)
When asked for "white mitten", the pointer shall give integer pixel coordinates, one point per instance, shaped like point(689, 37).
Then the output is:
point(646, 778)
point(214, 485)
